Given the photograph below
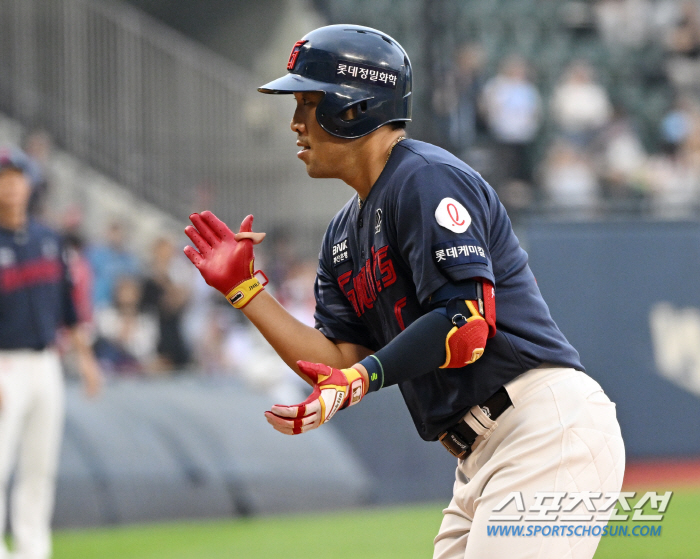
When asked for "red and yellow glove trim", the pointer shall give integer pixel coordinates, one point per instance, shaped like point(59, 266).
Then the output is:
point(333, 390)
point(335, 397)
point(244, 292)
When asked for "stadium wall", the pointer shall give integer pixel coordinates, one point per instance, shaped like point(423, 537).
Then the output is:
point(626, 294)
point(153, 450)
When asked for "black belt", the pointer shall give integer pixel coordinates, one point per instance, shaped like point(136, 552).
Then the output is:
point(459, 438)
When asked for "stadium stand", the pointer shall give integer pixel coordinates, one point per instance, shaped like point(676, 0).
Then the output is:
point(179, 126)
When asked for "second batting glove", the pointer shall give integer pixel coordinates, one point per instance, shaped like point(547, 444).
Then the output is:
point(334, 389)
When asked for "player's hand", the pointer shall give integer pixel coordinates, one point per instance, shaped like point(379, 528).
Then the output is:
point(225, 260)
point(88, 366)
point(92, 377)
point(334, 389)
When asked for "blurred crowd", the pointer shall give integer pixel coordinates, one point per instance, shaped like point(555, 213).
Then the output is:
point(153, 314)
point(569, 145)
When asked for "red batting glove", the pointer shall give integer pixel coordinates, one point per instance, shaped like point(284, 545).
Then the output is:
point(334, 389)
point(225, 263)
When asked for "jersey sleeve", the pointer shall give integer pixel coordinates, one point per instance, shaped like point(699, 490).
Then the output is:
point(334, 315)
point(443, 225)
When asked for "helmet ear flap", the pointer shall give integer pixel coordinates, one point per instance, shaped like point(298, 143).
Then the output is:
point(344, 120)
point(354, 111)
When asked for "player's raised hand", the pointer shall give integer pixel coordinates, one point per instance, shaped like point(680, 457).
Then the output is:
point(225, 262)
point(334, 389)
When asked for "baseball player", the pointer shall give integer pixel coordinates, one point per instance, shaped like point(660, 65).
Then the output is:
point(35, 299)
point(422, 283)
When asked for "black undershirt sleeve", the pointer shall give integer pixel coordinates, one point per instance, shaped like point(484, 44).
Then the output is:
point(420, 348)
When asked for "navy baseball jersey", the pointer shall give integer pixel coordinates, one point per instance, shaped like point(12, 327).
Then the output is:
point(35, 289)
point(431, 220)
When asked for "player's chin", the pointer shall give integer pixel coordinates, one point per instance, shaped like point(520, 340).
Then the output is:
point(319, 172)
point(312, 171)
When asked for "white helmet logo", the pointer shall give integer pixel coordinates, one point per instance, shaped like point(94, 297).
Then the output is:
point(452, 215)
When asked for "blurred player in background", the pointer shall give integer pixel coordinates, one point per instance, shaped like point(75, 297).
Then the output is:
point(35, 300)
point(411, 272)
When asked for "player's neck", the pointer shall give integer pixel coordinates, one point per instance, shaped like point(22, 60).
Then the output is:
point(368, 158)
point(12, 218)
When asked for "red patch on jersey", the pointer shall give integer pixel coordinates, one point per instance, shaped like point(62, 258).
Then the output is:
point(294, 54)
point(28, 274)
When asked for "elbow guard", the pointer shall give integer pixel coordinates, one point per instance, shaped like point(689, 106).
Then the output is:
point(474, 321)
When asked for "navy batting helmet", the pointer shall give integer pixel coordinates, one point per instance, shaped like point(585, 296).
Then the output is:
point(353, 66)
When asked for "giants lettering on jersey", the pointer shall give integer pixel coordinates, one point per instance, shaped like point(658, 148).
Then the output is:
point(376, 274)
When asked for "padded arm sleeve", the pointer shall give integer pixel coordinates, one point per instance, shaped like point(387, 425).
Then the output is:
point(415, 351)
point(452, 335)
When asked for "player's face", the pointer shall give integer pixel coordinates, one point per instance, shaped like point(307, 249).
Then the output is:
point(322, 152)
point(15, 190)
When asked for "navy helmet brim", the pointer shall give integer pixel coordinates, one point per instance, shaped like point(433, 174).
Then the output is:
point(291, 83)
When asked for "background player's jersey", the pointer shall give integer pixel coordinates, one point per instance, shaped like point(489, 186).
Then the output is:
point(35, 289)
point(430, 220)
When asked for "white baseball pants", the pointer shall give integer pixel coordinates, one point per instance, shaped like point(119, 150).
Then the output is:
point(561, 434)
point(31, 426)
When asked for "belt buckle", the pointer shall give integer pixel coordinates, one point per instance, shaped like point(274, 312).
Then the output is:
point(455, 445)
